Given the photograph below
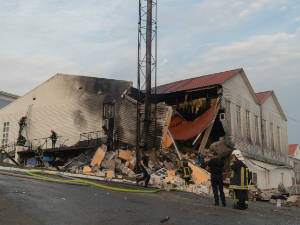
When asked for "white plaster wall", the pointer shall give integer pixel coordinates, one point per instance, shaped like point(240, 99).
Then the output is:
point(275, 174)
point(236, 91)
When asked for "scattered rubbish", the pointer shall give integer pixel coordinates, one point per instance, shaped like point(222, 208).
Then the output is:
point(165, 219)
point(273, 210)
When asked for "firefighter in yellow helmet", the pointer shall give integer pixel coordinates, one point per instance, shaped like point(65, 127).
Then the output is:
point(239, 180)
point(186, 172)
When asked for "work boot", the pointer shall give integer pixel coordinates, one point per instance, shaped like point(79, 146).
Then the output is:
point(224, 204)
point(216, 204)
point(137, 182)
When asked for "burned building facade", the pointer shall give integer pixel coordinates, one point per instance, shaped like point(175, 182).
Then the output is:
point(75, 107)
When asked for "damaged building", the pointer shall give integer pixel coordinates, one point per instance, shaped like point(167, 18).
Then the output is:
point(96, 119)
point(221, 112)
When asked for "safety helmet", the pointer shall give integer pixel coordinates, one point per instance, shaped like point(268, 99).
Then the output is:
point(52, 131)
point(238, 155)
point(38, 146)
point(25, 117)
point(185, 164)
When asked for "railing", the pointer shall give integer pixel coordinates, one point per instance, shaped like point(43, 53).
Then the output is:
point(11, 147)
point(44, 142)
point(92, 138)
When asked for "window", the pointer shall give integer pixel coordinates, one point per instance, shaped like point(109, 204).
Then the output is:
point(108, 110)
point(272, 136)
point(264, 130)
point(228, 115)
point(254, 177)
point(279, 139)
point(239, 121)
point(256, 130)
point(248, 125)
point(5, 135)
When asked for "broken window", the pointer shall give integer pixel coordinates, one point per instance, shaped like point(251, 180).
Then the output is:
point(228, 115)
point(279, 139)
point(254, 177)
point(272, 136)
point(264, 130)
point(5, 135)
point(256, 130)
point(239, 121)
point(248, 125)
point(108, 110)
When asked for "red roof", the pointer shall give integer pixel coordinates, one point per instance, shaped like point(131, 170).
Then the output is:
point(197, 82)
point(292, 149)
point(186, 129)
point(262, 96)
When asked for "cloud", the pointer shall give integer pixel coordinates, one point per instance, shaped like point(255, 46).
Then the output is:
point(284, 8)
point(254, 6)
point(270, 61)
point(297, 18)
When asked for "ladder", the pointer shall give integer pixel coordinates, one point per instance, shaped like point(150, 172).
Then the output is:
point(28, 120)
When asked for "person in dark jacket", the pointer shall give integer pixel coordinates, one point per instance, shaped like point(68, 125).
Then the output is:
point(53, 137)
point(38, 156)
point(216, 166)
point(145, 169)
point(186, 172)
point(21, 140)
point(239, 180)
point(22, 123)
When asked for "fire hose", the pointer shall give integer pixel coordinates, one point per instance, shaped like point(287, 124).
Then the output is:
point(34, 173)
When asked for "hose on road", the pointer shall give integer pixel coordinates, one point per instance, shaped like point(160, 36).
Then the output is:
point(34, 173)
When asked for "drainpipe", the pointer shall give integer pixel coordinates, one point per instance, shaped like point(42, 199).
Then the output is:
point(261, 133)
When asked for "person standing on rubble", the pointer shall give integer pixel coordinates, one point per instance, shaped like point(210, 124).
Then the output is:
point(38, 156)
point(145, 169)
point(186, 172)
point(22, 123)
point(21, 140)
point(239, 180)
point(216, 166)
point(53, 137)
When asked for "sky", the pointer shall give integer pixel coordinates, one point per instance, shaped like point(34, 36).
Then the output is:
point(40, 38)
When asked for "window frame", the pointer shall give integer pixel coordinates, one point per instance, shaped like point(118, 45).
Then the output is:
point(279, 139)
point(248, 125)
point(239, 121)
point(264, 130)
point(5, 133)
point(272, 144)
point(228, 116)
point(113, 110)
point(257, 130)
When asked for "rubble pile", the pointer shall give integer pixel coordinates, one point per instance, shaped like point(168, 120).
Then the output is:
point(286, 195)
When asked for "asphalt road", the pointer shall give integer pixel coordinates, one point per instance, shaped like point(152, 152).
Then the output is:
point(27, 201)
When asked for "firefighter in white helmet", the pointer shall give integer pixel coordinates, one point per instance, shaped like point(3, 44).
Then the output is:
point(239, 180)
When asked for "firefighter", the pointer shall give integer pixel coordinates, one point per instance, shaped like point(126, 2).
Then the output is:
point(22, 123)
point(53, 137)
point(239, 180)
point(186, 172)
point(38, 156)
point(21, 140)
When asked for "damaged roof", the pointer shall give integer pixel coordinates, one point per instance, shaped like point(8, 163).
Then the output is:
point(197, 82)
point(262, 96)
point(186, 129)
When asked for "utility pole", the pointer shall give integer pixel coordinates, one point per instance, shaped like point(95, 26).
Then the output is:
point(147, 67)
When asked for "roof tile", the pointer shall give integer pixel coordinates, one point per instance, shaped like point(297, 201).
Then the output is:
point(292, 149)
point(197, 82)
point(186, 129)
point(262, 96)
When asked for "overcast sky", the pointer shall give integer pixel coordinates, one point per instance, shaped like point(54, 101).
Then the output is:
point(39, 38)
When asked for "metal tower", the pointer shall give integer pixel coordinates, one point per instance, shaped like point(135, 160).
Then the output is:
point(147, 67)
